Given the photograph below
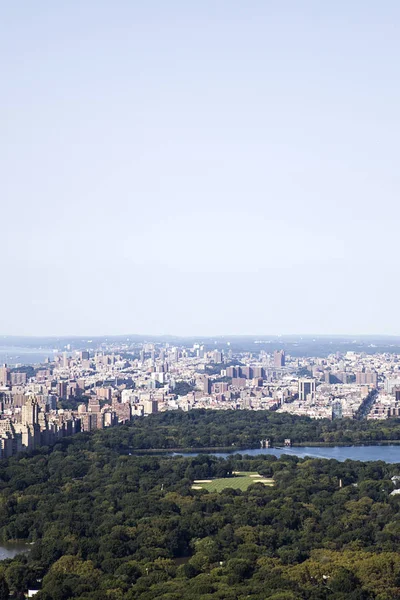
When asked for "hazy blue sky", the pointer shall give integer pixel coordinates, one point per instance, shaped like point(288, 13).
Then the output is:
point(208, 167)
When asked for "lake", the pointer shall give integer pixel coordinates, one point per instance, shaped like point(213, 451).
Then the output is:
point(389, 454)
point(11, 549)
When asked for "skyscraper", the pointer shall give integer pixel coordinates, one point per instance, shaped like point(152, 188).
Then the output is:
point(4, 375)
point(30, 412)
point(306, 387)
point(279, 358)
point(206, 384)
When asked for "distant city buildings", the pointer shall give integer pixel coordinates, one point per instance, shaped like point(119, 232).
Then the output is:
point(279, 358)
point(307, 389)
point(85, 391)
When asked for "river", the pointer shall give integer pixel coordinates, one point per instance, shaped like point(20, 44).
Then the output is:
point(389, 454)
point(13, 355)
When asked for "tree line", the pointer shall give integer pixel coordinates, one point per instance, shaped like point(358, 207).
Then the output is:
point(244, 429)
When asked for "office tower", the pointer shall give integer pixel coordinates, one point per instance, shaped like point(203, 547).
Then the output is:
point(279, 358)
point(94, 405)
point(217, 356)
point(104, 392)
point(18, 378)
point(150, 407)
point(62, 389)
point(4, 375)
point(206, 384)
point(30, 412)
point(247, 372)
point(367, 378)
point(307, 389)
point(259, 372)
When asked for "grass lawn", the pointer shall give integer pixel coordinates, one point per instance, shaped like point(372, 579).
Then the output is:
point(240, 481)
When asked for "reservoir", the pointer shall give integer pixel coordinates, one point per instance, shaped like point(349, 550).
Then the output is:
point(389, 453)
point(11, 549)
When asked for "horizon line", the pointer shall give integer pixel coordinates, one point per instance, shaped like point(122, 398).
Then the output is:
point(203, 336)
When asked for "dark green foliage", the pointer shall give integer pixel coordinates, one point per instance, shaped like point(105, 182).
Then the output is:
point(243, 429)
point(4, 589)
point(109, 525)
point(182, 388)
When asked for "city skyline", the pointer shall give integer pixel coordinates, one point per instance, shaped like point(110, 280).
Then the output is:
point(77, 389)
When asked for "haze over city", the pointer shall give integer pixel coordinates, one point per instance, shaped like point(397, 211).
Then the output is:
point(199, 168)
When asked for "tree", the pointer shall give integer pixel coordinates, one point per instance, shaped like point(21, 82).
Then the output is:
point(4, 589)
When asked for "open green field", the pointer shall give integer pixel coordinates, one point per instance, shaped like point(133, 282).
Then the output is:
point(240, 481)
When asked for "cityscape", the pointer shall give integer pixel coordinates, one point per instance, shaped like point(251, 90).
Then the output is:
point(199, 340)
point(84, 390)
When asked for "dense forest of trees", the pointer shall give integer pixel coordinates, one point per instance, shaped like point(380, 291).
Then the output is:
point(244, 429)
point(104, 524)
point(108, 525)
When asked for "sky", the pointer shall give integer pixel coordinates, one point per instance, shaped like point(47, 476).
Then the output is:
point(199, 168)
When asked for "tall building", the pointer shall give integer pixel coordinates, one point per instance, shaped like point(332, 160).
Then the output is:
point(150, 407)
point(259, 372)
point(93, 405)
point(369, 377)
point(18, 378)
point(30, 412)
point(4, 375)
point(307, 389)
point(279, 358)
point(247, 372)
point(217, 356)
point(62, 389)
point(233, 371)
point(206, 384)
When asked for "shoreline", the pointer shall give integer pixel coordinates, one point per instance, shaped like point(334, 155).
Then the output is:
point(230, 450)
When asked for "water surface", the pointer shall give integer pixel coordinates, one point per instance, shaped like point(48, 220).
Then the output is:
point(389, 454)
point(13, 355)
point(11, 549)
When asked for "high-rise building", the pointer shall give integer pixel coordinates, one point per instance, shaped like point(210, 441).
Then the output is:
point(217, 356)
point(307, 389)
point(234, 371)
point(247, 372)
point(94, 405)
point(4, 375)
point(206, 384)
point(30, 412)
point(368, 377)
point(150, 407)
point(259, 372)
point(279, 358)
point(104, 392)
point(18, 378)
point(62, 389)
